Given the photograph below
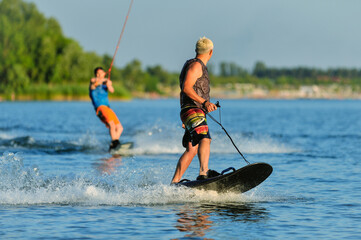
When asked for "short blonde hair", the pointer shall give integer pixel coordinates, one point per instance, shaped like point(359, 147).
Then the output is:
point(204, 45)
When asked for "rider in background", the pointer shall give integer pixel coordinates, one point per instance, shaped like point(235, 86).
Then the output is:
point(98, 92)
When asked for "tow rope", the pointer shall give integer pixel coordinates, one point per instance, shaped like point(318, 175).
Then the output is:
point(220, 124)
point(120, 37)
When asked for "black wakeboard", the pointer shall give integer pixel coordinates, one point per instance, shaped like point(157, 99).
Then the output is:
point(240, 180)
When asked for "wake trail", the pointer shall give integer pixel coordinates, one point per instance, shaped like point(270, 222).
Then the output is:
point(20, 185)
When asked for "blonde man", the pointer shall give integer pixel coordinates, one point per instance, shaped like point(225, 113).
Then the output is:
point(194, 101)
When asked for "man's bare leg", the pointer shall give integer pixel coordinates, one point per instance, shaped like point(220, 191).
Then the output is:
point(118, 130)
point(203, 155)
point(113, 131)
point(184, 162)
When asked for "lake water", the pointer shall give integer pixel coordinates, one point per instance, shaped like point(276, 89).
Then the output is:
point(58, 181)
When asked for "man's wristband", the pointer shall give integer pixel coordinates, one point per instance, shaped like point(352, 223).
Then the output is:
point(204, 104)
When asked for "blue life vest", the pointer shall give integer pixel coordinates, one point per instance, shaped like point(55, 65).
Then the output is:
point(99, 96)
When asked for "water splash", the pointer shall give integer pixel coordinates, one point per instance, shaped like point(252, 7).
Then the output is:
point(255, 144)
point(85, 143)
point(161, 140)
point(157, 139)
point(20, 185)
point(14, 177)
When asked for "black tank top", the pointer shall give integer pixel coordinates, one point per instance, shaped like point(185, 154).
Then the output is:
point(201, 87)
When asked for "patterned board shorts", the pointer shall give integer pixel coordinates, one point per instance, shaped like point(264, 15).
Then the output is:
point(196, 127)
point(107, 115)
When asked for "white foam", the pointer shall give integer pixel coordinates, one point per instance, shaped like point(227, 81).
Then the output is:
point(159, 140)
point(89, 139)
point(156, 142)
point(6, 136)
point(28, 186)
point(252, 145)
point(122, 190)
point(92, 195)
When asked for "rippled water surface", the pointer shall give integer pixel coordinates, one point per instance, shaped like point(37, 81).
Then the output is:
point(58, 181)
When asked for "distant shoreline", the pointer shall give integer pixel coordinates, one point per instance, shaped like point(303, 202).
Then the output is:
point(232, 91)
point(156, 97)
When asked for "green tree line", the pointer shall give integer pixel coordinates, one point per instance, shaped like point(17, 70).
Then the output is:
point(38, 61)
point(278, 77)
point(35, 56)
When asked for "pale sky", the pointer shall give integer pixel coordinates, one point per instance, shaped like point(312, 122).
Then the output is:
point(281, 33)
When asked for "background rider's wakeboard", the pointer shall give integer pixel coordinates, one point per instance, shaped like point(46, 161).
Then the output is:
point(122, 149)
point(240, 180)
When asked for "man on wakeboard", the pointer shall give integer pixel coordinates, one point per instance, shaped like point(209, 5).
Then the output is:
point(98, 92)
point(194, 101)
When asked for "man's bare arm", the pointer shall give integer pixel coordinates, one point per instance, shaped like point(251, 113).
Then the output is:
point(194, 72)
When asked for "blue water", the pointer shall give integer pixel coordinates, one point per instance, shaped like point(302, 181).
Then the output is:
point(58, 181)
